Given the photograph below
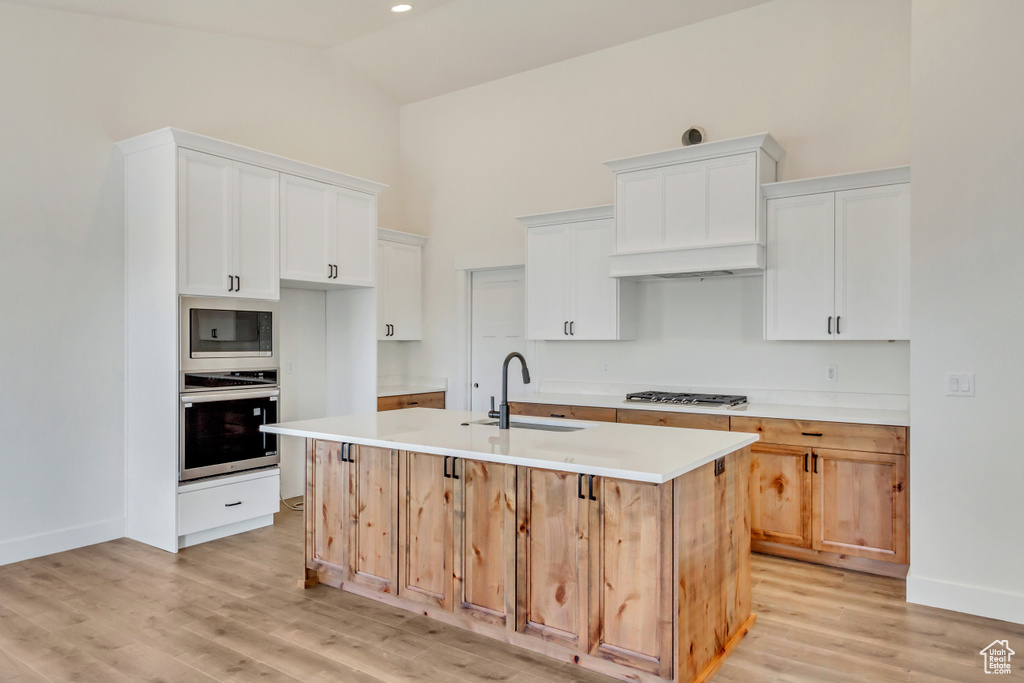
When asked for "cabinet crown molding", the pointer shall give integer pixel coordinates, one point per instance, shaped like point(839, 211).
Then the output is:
point(705, 150)
point(837, 183)
point(228, 150)
point(403, 237)
point(590, 213)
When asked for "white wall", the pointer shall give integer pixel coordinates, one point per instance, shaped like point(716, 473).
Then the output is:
point(830, 79)
point(967, 149)
point(73, 85)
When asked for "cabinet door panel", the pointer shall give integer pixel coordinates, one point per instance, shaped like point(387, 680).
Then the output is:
point(664, 418)
point(860, 505)
point(547, 282)
point(686, 205)
point(639, 212)
point(425, 541)
point(800, 273)
point(355, 236)
point(484, 532)
point(257, 233)
point(404, 290)
point(382, 291)
point(732, 199)
point(330, 481)
point(631, 589)
point(373, 517)
point(205, 218)
point(780, 505)
point(873, 263)
point(306, 241)
point(594, 292)
point(552, 576)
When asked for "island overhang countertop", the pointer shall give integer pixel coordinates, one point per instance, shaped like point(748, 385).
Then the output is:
point(623, 451)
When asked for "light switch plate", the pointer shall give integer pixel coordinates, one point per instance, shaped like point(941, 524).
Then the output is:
point(960, 384)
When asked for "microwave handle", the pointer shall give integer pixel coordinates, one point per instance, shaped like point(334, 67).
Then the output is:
point(232, 395)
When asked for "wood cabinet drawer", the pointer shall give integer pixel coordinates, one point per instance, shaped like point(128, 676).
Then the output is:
point(209, 508)
point(568, 412)
point(434, 399)
point(841, 435)
point(662, 418)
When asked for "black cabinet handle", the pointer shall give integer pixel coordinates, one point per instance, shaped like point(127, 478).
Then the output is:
point(454, 476)
point(815, 463)
point(806, 467)
point(572, 324)
point(811, 433)
point(838, 318)
point(231, 283)
point(579, 487)
point(565, 328)
point(830, 324)
point(335, 271)
point(556, 415)
point(591, 486)
point(231, 505)
point(238, 283)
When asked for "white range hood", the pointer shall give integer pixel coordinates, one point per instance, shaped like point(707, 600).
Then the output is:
point(695, 211)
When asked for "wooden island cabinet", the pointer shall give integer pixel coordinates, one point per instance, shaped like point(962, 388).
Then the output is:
point(637, 580)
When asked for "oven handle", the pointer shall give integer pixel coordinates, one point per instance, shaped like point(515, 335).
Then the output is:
point(210, 397)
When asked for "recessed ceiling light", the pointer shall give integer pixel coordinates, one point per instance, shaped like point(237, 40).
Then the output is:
point(401, 8)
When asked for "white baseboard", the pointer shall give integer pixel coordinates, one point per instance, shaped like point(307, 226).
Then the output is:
point(226, 530)
point(27, 547)
point(983, 602)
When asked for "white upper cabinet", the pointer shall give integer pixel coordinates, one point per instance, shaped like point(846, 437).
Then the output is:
point(839, 257)
point(693, 210)
point(328, 234)
point(399, 286)
point(228, 223)
point(570, 293)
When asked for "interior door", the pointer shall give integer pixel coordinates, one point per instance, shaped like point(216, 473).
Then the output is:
point(595, 294)
point(873, 263)
point(860, 504)
point(800, 273)
point(205, 218)
point(497, 326)
point(306, 241)
point(780, 494)
point(373, 518)
point(425, 542)
point(548, 282)
point(552, 599)
point(257, 233)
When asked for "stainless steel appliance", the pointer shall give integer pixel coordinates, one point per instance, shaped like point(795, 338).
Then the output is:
point(221, 414)
point(227, 333)
point(682, 398)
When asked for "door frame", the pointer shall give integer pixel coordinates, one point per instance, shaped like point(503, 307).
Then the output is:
point(460, 391)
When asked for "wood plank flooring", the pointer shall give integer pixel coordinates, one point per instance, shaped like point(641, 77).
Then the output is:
point(230, 610)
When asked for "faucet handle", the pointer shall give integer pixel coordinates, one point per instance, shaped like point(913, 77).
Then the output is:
point(492, 404)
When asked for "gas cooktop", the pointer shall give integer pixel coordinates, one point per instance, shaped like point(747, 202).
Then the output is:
point(680, 398)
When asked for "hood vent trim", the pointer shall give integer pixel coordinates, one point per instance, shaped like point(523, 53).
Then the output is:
point(721, 261)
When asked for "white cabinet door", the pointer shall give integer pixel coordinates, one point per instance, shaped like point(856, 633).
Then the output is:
point(872, 227)
point(594, 293)
point(257, 233)
point(732, 199)
point(306, 233)
point(686, 206)
point(548, 255)
point(404, 290)
point(639, 210)
point(800, 274)
point(383, 330)
point(355, 237)
point(205, 208)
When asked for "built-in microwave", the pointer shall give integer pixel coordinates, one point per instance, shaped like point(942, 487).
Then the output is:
point(225, 333)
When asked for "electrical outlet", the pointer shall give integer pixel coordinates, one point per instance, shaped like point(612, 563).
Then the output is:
point(290, 367)
point(831, 373)
point(604, 368)
point(960, 384)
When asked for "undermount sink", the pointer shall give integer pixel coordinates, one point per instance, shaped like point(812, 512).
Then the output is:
point(543, 426)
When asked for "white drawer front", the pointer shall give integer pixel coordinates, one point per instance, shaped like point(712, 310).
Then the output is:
point(219, 505)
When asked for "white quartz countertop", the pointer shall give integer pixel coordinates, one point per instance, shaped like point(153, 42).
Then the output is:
point(622, 451)
point(403, 389)
point(899, 418)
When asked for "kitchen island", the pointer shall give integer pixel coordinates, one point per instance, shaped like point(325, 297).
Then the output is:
point(622, 548)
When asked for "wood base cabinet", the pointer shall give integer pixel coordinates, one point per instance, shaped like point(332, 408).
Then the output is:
point(643, 582)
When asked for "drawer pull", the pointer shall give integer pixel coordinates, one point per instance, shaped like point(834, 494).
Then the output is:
point(231, 505)
point(556, 415)
point(812, 433)
point(579, 487)
point(413, 403)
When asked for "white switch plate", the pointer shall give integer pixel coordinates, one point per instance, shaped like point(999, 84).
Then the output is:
point(960, 384)
point(831, 373)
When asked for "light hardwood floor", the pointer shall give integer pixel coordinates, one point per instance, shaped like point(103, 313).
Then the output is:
point(230, 610)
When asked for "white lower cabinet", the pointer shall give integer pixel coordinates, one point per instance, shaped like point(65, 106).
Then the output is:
point(399, 286)
point(570, 293)
point(838, 257)
point(220, 507)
